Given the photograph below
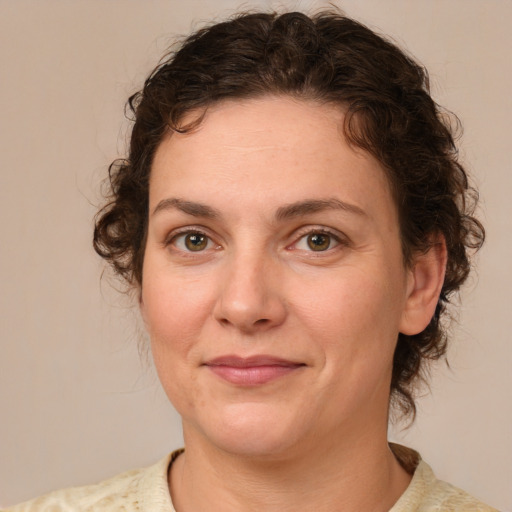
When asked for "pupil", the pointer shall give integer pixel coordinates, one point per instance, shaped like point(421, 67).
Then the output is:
point(195, 242)
point(318, 242)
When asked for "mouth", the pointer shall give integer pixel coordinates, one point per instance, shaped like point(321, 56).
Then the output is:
point(251, 371)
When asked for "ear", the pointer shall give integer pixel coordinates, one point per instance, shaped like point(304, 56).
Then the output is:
point(425, 281)
point(142, 308)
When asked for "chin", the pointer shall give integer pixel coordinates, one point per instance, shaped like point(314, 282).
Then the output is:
point(251, 430)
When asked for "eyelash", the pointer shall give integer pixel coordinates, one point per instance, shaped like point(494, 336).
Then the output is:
point(174, 236)
point(338, 240)
point(333, 237)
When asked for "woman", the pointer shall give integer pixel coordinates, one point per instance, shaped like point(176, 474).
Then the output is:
point(294, 219)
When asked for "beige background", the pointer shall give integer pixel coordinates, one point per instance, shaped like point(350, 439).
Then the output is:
point(76, 404)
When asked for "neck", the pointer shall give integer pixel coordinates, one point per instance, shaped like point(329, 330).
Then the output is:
point(353, 474)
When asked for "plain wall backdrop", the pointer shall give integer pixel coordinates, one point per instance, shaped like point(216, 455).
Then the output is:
point(77, 403)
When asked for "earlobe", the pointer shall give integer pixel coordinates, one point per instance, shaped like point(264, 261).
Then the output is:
point(425, 284)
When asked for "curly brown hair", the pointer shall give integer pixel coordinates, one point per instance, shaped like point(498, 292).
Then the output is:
point(390, 114)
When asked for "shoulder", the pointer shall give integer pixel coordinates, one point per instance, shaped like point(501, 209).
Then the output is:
point(136, 490)
point(428, 494)
point(104, 495)
point(444, 496)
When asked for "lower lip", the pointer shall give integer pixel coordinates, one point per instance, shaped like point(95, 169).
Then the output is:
point(253, 375)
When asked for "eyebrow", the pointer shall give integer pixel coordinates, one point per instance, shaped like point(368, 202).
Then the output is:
point(188, 207)
point(309, 206)
point(289, 211)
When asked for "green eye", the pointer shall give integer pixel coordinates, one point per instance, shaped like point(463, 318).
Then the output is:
point(195, 241)
point(318, 241)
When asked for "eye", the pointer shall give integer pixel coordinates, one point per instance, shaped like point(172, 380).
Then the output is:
point(317, 241)
point(192, 241)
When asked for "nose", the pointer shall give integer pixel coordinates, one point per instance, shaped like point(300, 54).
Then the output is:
point(251, 298)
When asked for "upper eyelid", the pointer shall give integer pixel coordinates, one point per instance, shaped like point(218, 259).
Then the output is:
point(170, 242)
point(308, 230)
point(296, 235)
point(174, 233)
point(341, 239)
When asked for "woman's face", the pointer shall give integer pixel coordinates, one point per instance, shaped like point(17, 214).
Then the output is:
point(273, 283)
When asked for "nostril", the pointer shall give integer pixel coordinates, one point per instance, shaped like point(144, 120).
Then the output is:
point(258, 323)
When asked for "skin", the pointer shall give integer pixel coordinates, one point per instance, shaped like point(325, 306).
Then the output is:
point(256, 182)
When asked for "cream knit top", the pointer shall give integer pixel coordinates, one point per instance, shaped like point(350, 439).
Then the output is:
point(147, 490)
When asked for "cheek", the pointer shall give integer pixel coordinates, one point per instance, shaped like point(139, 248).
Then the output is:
point(354, 302)
point(354, 321)
point(175, 310)
point(175, 313)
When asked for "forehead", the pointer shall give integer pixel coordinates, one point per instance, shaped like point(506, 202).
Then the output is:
point(272, 148)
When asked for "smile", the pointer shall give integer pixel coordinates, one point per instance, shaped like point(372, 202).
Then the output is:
point(252, 371)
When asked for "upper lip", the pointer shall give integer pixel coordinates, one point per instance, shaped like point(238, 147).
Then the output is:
point(250, 362)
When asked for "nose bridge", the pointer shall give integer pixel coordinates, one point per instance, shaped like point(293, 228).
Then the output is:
point(250, 298)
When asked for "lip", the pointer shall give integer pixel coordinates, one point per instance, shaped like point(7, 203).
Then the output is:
point(251, 371)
